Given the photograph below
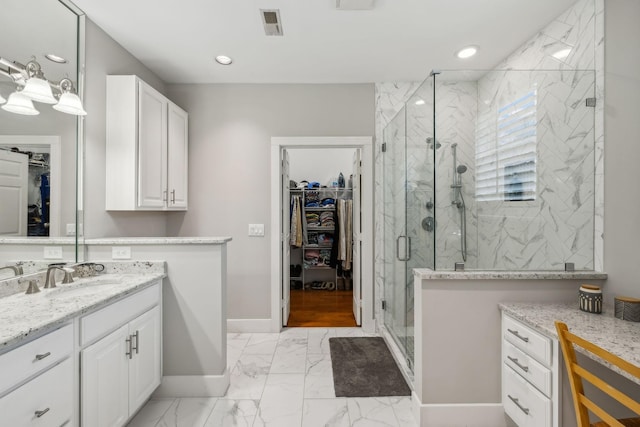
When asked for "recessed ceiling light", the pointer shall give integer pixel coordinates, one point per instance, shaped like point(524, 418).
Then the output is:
point(55, 58)
point(223, 60)
point(562, 53)
point(420, 102)
point(467, 52)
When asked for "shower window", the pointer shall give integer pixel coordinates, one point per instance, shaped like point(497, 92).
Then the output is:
point(506, 152)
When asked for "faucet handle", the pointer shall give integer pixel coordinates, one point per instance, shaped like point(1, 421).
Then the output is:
point(33, 286)
point(68, 275)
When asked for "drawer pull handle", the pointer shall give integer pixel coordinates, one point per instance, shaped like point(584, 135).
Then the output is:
point(516, 333)
point(514, 360)
point(130, 350)
point(41, 413)
point(137, 345)
point(42, 356)
point(514, 400)
point(173, 197)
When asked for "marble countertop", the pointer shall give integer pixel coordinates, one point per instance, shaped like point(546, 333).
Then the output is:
point(426, 273)
point(619, 337)
point(159, 241)
point(24, 316)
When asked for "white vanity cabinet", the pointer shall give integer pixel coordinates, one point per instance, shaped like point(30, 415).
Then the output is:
point(146, 150)
point(37, 381)
point(121, 359)
point(530, 375)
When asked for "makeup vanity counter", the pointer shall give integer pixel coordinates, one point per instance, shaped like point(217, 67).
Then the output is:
point(619, 337)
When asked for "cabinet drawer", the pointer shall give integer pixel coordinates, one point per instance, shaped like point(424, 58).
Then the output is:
point(49, 395)
point(110, 318)
point(526, 339)
point(29, 359)
point(526, 406)
point(528, 368)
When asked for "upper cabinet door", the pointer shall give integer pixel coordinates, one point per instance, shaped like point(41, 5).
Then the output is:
point(152, 148)
point(178, 158)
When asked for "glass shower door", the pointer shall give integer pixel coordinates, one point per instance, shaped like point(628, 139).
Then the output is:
point(395, 237)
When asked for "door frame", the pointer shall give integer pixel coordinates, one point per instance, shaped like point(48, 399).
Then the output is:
point(51, 144)
point(365, 144)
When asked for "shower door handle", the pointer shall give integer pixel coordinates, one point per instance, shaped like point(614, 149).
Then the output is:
point(407, 248)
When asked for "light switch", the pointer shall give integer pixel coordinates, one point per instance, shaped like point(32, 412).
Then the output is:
point(256, 230)
point(71, 229)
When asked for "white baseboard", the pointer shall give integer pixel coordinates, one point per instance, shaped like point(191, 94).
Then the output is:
point(193, 385)
point(460, 415)
point(250, 325)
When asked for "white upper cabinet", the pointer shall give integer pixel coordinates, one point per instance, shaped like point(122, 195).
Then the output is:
point(147, 146)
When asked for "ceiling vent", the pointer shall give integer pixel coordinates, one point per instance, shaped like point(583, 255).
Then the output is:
point(354, 4)
point(271, 22)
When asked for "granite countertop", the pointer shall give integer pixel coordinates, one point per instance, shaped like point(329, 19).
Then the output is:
point(24, 316)
point(38, 240)
point(159, 241)
point(619, 337)
point(426, 273)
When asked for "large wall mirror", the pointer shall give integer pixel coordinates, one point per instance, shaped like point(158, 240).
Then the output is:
point(41, 150)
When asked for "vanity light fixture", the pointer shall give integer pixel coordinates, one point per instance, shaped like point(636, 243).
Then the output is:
point(420, 102)
point(20, 104)
point(69, 102)
point(33, 86)
point(467, 52)
point(224, 60)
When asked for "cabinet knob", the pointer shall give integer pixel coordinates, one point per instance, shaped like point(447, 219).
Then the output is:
point(517, 334)
point(42, 356)
point(135, 347)
point(129, 351)
point(41, 413)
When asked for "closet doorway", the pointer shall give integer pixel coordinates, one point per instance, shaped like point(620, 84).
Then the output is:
point(322, 269)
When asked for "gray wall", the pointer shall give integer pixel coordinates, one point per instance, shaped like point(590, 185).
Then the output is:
point(105, 56)
point(230, 130)
point(622, 148)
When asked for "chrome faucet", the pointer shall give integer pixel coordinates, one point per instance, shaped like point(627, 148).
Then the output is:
point(50, 281)
point(17, 269)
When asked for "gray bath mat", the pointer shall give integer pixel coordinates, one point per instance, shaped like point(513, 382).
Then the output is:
point(364, 367)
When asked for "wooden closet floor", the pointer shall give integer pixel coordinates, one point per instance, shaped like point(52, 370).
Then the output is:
point(321, 308)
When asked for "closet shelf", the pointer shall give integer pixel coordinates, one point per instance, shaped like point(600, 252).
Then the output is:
point(317, 246)
point(312, 228)
point(330, 209)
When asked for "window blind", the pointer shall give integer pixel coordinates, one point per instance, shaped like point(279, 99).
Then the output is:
point(506, 152)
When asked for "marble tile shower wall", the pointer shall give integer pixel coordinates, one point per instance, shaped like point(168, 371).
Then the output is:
point(455, 124)
point(580, 28)
point(557, 226)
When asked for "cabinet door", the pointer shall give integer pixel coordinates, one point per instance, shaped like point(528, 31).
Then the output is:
point(145, 366)
point(152, 147)
point(105, 378)
point(178, 161)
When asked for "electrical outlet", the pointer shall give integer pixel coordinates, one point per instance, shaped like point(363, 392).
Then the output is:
point(121, 252)
point(256, 230)
point(71, 229)
point(52, 252)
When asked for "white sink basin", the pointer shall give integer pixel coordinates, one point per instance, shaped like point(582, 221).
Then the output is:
point(81, 289)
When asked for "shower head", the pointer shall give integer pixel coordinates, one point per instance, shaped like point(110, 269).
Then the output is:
point(461, 169)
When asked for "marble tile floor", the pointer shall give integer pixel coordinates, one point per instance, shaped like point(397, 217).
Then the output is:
point(282, 380)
